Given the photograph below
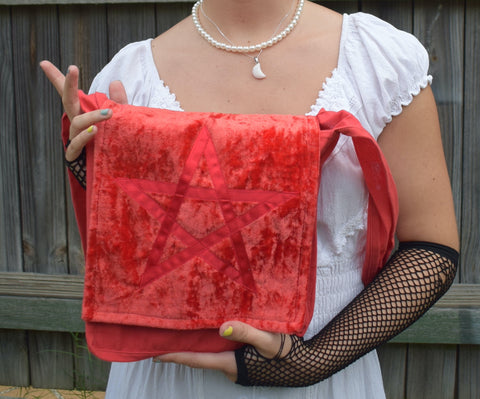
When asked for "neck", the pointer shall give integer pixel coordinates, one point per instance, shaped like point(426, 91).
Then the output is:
point(247, 20)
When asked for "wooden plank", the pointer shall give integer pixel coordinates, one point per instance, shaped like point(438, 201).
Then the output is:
point(10, 227)
point(91, 373)
point(399, 14)
point(79, 28)
point(41, 314)
point(468, 371)
point(342, 6)
point(449, 326)
point(54, 303)
point(14, 368)
point(168, 15)
point(440, 26)
point(121, 30)
point(51, 361)
point(32, 301)
point(470, 231)
point(431, 371)
point(83, 40)
point(35, 37)
point(40, 159)
point(41, 285)
point(459, 296)
point(469, 356)
point(393, 359)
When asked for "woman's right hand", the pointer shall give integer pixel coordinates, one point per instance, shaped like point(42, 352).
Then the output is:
point(82, 125)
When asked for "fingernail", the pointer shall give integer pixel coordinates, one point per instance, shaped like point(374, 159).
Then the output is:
point(156, 360)
point(90, 129)
point(68, 71)
point(227, 332)
point(104, 112)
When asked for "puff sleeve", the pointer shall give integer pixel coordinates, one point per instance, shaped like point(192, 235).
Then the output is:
point(130, 66)
point(387, 67)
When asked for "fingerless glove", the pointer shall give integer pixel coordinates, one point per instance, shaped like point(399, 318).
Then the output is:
point(414, 278)
point(78, 167)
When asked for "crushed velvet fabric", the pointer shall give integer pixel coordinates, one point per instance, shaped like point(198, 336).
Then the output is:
point(190, 219)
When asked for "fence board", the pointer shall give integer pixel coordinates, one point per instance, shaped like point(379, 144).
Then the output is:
point(41, 169)
point(14, 367)
point(10, 233)
point(393, 358)
point(471, 166)
point(168, 15)
point(440, 26)
point(469, 356)
point(90, 54)
point(53, 302)
point(342, 6)
point(51, 360)
point(431, 372)
point(398, 14)
point(90, 372)
point(121, 31)
point(468, 372)
point(40, 160)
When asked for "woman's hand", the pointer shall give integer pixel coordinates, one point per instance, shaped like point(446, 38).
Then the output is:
point(267, 344)
point(82, 126)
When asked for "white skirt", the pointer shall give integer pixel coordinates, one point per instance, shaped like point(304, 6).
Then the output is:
point(145, 379)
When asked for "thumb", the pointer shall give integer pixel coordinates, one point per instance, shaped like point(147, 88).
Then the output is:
point(117, 92)
point(265, 342)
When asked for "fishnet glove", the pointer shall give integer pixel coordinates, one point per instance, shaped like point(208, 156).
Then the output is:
point(415, 277)
point(78, 167)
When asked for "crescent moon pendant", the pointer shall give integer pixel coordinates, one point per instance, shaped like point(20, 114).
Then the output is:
point(257, 71)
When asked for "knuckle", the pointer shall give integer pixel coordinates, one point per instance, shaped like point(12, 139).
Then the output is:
point(242, 334)
point(73, 150)
point(75, 125)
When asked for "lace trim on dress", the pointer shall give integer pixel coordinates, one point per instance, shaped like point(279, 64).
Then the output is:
point(396, 107)
point(163, 98)
point(331, 97)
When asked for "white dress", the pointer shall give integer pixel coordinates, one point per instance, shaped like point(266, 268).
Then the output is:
point(379, 70)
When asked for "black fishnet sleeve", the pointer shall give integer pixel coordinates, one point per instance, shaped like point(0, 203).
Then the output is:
point(78, 167)
point(415, 277)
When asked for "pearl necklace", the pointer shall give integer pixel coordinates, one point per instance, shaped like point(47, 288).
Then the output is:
point(256, 70)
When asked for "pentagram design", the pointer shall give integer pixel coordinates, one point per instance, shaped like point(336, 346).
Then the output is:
point(139, 190)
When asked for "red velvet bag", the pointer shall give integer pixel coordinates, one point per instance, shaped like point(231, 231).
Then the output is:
point(192, 219)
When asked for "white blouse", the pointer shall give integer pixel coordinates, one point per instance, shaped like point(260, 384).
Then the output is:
point(379, 71)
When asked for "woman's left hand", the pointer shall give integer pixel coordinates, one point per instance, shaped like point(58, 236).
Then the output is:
point(266, 343)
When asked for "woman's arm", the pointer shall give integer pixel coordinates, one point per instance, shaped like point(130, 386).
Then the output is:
point(412, 145)
point(415, 277)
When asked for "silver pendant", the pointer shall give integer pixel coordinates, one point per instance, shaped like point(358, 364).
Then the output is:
point(257, 70)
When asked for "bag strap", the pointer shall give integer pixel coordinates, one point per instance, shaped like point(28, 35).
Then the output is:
point(383, 199)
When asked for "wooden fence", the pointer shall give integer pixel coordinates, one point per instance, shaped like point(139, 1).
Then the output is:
point(41, 264)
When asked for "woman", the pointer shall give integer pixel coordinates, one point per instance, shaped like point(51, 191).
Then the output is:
point(325, 60)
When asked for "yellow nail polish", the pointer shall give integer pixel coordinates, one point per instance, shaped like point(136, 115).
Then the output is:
point(227, 332)
point(90, 129)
